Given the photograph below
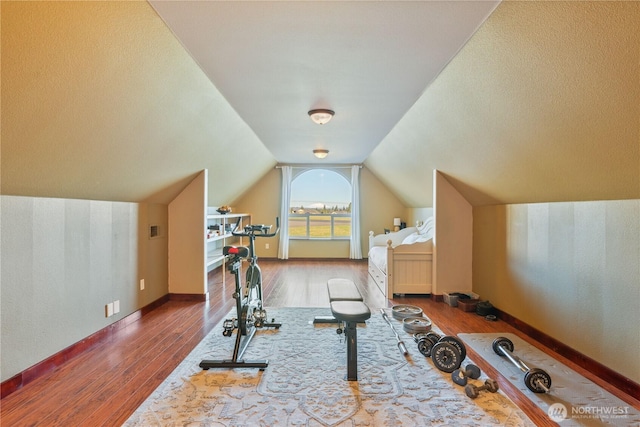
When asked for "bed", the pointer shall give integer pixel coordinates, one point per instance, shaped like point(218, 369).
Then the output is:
point(401, 262)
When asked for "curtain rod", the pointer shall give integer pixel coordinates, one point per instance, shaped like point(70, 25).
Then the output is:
point(317, 165)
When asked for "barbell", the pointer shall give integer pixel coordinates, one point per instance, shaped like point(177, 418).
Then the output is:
point(537, 380)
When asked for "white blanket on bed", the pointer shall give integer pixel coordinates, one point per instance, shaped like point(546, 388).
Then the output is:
point(378, 256)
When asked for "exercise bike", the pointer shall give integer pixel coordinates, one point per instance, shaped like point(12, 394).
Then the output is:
point(250, 314)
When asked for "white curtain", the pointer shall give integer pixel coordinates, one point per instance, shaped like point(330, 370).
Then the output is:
point(355, 251)
point(283, 247)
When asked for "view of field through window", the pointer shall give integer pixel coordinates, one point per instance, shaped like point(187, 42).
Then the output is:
point(320, 206)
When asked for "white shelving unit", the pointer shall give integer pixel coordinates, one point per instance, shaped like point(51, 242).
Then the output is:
point(220, 227)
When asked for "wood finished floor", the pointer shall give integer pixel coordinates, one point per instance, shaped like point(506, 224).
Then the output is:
point(103, 386)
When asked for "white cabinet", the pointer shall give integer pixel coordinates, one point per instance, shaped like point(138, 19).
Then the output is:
point(218, 234)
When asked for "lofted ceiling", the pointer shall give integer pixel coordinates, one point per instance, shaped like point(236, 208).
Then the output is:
point(515, 102)
point(367, 61)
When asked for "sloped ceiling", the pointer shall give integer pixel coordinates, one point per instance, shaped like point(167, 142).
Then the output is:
point(100, 100)
point(542, 105)
point(368, 61)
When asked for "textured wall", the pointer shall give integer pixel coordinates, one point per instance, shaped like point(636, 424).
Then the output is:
point(539, 82)
point(100, 101)
point(569, 269)
point(63, 260)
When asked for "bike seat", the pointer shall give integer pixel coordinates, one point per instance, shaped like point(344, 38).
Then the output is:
point(239, 251)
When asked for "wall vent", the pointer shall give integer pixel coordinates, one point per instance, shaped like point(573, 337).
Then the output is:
point(154, 231)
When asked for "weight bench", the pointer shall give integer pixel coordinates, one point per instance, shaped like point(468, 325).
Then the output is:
point(347, 306)
point(339, 290)
point(351, 312)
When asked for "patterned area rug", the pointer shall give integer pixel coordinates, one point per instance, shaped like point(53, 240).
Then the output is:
point(305, 384)
point(573, 400)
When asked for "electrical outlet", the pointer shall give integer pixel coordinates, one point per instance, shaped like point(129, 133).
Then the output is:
point(109, 309)
point(266, 246)
point(142, 284)
point(116, 307)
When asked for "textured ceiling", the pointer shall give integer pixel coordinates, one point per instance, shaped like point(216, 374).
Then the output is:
point(101, 101)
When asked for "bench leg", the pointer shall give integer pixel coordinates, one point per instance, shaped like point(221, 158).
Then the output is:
point(351, 333)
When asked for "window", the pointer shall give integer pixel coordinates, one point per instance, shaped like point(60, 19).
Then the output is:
point(320, 206)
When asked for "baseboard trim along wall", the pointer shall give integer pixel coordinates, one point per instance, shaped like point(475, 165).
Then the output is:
point(189, 297)
point(49, 364)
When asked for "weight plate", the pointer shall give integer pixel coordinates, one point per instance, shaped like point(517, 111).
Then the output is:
point(416, 324)
point(446, 356)
point(457, 344)
point(424, 347)
point(433, 336)
point(534, 378)
point(504, 342)
point(399, 312)
point(419, 336)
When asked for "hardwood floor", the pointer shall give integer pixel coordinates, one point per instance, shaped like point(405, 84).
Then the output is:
point(105, 384)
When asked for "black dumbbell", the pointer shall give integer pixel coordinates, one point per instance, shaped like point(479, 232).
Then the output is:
point(460, 376)
point(473, 391)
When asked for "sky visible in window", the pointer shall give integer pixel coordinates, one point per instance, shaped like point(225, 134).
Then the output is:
point(318, 187)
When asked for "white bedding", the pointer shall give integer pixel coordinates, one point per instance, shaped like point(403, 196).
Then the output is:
point(378, 254)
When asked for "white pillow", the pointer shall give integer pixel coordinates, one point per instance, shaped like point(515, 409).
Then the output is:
point(415, 238)
point(426, 227)
point(411, 238)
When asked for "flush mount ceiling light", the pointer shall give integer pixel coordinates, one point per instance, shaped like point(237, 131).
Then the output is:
point(320, 153)
point(321, 116)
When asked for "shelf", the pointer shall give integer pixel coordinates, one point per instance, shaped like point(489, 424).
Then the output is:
point(215, 244)
point(222, 237)
point(214, 257)
point(229, 215)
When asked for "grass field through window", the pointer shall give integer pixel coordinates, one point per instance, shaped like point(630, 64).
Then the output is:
point(319, 226)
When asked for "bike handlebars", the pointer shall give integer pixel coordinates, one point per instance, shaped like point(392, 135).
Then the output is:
point(256, 230)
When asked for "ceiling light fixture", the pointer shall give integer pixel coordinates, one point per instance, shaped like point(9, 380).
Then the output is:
point(321, 116)
point(320, 153)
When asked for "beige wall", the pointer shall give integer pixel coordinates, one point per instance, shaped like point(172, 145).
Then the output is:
point(570, 270)
point(63, 260)
point(453, 238)
point(187, 246)
point(379, 207)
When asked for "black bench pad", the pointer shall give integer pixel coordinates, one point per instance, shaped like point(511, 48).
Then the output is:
point(350, 311)
point(343, 290)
